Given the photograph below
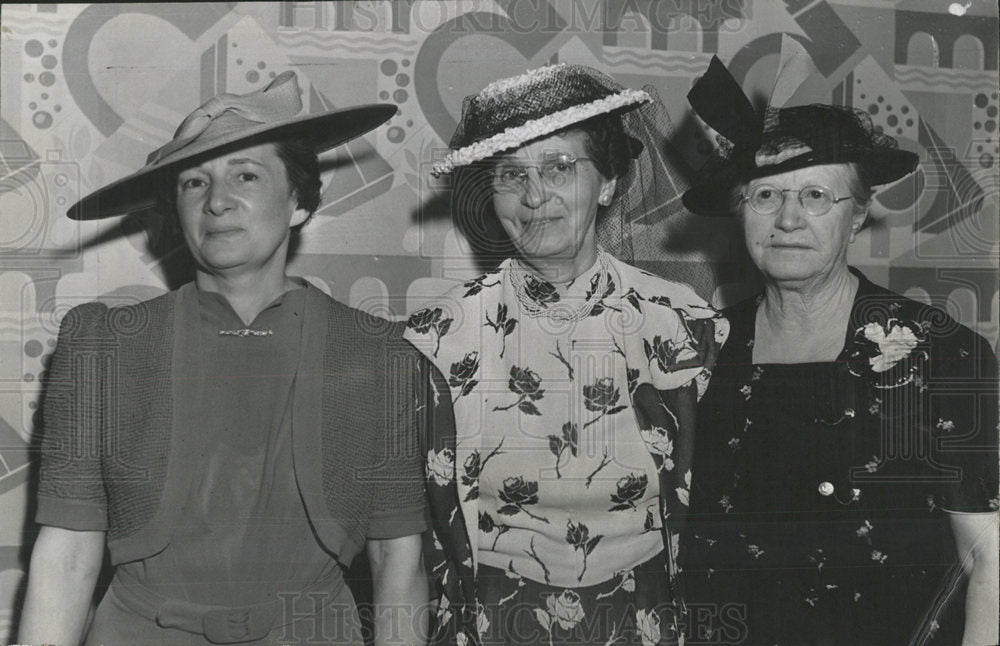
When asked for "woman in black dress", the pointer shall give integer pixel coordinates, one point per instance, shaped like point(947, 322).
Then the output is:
point(845, 472)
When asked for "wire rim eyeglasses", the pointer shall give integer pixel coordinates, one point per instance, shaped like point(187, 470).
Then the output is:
point(766, 199)
point(555, 171)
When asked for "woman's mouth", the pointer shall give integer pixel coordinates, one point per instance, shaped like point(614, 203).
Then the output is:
point(222, 232)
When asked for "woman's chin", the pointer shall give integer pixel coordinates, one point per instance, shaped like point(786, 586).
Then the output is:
point(788, 272)
point(547, 249)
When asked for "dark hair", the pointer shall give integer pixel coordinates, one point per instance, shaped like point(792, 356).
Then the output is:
point(608, 146)
point(860, 182)
point(301, 165)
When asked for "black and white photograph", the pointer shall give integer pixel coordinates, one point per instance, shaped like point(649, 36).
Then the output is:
point(489, 322)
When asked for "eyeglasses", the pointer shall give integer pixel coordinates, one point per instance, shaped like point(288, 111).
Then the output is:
point(768, 200)
point(556, 170)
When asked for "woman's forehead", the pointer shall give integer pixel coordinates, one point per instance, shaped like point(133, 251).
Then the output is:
point(264, 154)
point(572, 142)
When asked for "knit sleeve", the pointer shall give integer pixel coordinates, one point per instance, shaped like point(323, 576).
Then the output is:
point(74, 408)
point(399, 506)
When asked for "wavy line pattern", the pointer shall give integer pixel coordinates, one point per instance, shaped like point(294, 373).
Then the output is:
point(951, 78)
point(332, 47)
point(336, 40)
point(662, 61)
point(323, 37)
point(331, 50)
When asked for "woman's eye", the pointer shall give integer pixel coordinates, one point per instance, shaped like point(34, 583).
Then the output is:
point(509, 175)
point(562, 167)
point(765, 194)
point(191, 183)
point(248, 177)
point(814, 194)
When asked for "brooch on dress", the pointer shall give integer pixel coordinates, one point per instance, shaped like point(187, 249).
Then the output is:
point(245, 332)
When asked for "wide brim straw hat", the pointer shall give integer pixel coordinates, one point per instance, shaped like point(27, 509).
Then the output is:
point(757, 145)
point(513, 111)
point(229, 122)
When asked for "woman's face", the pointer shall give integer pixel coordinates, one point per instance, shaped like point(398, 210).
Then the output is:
point(551, 219)
point(236, 211)
point(792, 246)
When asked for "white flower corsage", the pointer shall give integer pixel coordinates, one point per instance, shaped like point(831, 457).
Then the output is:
point(895, 342)
point(884, 347)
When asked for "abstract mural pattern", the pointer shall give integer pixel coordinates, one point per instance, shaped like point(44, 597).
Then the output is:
point(88, 90)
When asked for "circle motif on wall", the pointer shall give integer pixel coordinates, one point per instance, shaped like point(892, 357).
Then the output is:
point(395, 134)
point(33, 348)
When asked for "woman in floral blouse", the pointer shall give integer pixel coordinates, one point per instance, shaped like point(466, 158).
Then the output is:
point(572, 377)
point(846, 460)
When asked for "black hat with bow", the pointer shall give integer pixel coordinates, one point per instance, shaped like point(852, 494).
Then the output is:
point(780, 140)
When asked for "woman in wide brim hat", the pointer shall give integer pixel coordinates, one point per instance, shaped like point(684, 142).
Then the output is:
point(843, 483)
point(228, 122)
point(237, 442)
point(558, 485)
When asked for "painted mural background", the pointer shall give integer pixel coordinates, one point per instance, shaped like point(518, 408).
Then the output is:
point(88, 90)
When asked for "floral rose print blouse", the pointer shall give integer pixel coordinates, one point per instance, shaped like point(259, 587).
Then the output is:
point(571, 439)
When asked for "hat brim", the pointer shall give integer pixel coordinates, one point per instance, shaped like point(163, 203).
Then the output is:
point(537, 128)
point(137, 191)
point(712, 196)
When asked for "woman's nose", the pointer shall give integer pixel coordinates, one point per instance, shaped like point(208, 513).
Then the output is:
point(219, 199)
point(791, 215)
point(534, 190)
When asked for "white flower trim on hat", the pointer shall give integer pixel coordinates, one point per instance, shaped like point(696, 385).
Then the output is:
point(513, 137)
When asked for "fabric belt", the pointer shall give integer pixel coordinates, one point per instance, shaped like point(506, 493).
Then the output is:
point(219, 624)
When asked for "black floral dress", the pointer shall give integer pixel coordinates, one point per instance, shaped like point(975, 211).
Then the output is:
point(817, 509)
point(565, 447)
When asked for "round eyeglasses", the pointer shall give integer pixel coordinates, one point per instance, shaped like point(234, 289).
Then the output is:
point(768, 200)
point(556, 170)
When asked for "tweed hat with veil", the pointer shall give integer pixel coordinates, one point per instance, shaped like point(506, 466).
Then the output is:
point(511, 112)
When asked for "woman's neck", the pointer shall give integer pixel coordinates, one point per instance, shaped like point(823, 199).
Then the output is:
point(805, 323)
point(247, 295)
point(561, 270)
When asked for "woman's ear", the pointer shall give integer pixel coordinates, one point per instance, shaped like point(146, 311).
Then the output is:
point(299, 216)
point(607, 191)
point(858, 219)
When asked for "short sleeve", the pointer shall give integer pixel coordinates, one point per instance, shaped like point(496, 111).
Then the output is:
point(71, 490)
point(673, 335)
point(399, 503)
point(962, 386)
